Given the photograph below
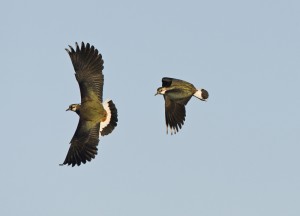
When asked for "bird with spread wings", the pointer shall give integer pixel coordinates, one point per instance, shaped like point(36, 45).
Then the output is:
point(96, 118)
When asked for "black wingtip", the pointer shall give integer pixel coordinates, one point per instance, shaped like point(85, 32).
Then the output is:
point(175, 117)
point(166, 81)
point(84, 47)
point(77, 155)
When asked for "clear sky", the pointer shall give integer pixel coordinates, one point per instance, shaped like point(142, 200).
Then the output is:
point(237, 154)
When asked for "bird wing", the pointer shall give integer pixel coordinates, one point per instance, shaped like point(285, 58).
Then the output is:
point(175, 114)
point(88, 66)
point(172, 82)
point(178, 95)
point(166, 81)
point(84, 143)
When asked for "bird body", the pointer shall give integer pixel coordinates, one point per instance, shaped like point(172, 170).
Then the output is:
point(92, 111)
point(96, 118)
point(177, 94)
point(180, 92)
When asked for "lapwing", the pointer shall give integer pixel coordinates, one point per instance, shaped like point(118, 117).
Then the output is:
point(177, 94)
point(96, 118)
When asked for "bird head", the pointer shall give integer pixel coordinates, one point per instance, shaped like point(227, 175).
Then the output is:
point(74, 108)
point(161, 90)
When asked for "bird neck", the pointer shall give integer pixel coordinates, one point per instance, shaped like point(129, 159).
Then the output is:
point(78, 109)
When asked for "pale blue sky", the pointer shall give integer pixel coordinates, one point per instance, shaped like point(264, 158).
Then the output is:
point(237, 154)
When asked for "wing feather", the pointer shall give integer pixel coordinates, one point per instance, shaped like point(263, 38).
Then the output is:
point(88, 66)
point(174, 114)
point(83, 144)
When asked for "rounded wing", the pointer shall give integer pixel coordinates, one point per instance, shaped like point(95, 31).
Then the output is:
point(88, 66)
point(83, 144)
point(174, 114)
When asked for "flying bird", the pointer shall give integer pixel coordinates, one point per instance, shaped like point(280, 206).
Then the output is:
point(96, 118)
point(177, 94)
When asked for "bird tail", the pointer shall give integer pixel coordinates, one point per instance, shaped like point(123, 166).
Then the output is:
point(110, 123)
point(202, 94)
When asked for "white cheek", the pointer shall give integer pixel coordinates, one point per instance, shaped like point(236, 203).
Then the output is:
point(73, 109)
point(163, 92)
